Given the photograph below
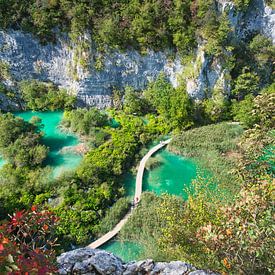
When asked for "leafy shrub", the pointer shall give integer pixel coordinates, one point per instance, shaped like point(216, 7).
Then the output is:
point(27, 243)
point(84, 121)
point(173, 105)
point(45, 96)
point(243, 239)
point(133, 103)
point(4, 70)
point(242, 5)
point(242, 111)
point(21, 142)
point(246, 83)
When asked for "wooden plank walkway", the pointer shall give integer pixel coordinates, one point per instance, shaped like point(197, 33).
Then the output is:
point(108, 236)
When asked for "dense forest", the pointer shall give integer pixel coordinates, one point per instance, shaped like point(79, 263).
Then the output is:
point(226, 224)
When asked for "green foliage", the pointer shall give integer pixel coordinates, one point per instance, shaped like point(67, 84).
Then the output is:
point(117, 99)
point(20, 186)
point(134, 103)
point(246, 83)
point(141, 24)
point(242, 5)
point(255, 64)
point(213, 28)
point(84, 121)
point(45, 96)
point(257, 109)
point(215, 109)
point(178, 237)
point(4, 71)
point(270, 3)
point(262, 48)
point(173, 105)
point(80, 208)
point(22, 178)
point(242, 111)
point(20, 142)
point(114, 215)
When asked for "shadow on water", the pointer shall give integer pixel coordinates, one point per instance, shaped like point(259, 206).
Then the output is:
point(57, 143)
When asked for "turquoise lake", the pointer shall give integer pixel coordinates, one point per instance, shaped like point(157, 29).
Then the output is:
point(55, 140)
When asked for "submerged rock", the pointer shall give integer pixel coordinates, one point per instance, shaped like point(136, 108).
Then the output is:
point(99, 262)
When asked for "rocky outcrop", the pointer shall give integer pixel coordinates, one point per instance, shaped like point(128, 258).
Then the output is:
point(100, 262)
point(210, 74)
point(28, 59)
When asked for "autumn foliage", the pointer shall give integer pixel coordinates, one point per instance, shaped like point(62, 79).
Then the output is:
point(27, 244)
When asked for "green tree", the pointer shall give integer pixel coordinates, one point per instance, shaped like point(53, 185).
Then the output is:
point(45, 96)
point(242, 111)
point(174, 105)
point(246, 83)
point(133, 102)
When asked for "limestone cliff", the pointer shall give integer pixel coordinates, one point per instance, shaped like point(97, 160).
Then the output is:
point(93, 84)
point(99, 262)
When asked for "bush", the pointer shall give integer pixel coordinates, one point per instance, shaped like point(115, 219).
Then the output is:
point(242, 111)
point(84, 121)
point(27, 243)
point(21, 142)
point(246, 83)
point(41, 96)
point(173, 105)
point(243, 238)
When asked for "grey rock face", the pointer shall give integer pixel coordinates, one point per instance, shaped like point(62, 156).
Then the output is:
point(28, 59)
point(94, 261)
point(258, 18)
point(59, 63)
point(89, 261)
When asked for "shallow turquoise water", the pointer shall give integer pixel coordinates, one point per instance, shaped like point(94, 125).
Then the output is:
point(127, 251)
point(55, 140)
point(173, 175)
point(2, 162)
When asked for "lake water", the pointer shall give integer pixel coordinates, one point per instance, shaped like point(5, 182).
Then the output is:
point(55, 140)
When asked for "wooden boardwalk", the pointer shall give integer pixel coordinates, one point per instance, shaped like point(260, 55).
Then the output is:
point(108, 236)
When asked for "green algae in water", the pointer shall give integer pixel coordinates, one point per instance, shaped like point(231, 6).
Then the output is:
point(55, 140)
point(127, 251)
